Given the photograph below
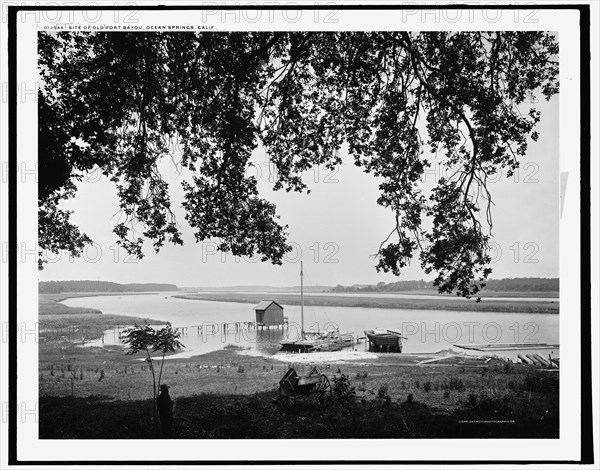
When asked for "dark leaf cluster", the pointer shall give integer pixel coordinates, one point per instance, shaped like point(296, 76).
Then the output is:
point(122, 102)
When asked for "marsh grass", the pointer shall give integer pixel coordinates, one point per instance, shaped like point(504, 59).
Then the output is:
point(59, 322)
point(258, 415)
point(487, 305)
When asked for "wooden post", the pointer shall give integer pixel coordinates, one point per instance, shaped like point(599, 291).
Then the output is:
point(301, 301)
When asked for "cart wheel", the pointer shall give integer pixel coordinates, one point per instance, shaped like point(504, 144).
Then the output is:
point(323, 391)
point(287, 394)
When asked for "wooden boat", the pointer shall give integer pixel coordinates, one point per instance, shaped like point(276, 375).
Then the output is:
point(384, 339)
point(333, 341)
point(289, 345)
point(306, 343)
point(330, 340)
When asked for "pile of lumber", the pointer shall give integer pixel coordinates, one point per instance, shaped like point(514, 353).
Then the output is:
point(536, 359)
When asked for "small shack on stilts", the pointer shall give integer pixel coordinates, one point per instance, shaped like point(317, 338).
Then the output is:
point(269, 313)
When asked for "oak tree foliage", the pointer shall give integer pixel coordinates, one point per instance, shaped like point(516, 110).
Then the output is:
point(400, 101)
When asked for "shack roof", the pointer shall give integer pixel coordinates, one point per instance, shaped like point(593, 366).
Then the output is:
point(264, 304)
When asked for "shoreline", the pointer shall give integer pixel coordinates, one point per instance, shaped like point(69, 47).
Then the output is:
point(60, 296)
point(57, 320)
point(343, 356)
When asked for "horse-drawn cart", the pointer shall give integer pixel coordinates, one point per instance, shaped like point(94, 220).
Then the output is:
point(315, 385)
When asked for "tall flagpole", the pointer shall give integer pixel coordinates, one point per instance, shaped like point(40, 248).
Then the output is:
point(302, 299)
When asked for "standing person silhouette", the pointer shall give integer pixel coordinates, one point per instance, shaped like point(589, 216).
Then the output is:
point(165, 410)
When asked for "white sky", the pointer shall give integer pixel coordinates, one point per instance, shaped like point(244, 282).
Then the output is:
point(334, 229)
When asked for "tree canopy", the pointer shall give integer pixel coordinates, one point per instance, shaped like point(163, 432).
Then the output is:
point(397, 100)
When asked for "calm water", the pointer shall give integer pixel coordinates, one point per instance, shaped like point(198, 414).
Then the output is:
point(427, 330)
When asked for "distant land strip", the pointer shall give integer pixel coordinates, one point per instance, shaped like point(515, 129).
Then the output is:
point(486, 305)
point(56, 287)
point(517, 284)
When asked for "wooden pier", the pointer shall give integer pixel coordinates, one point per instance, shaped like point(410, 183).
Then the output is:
point(283, 326)
point(213, 328)
point(237, 326)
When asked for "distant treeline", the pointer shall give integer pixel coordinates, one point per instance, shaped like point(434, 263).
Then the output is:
point(517, 284)
point(55, 287)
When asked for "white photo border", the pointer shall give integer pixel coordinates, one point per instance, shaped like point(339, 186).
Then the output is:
point(566, 22)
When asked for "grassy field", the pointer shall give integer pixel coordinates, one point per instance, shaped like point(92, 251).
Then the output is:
point(49, 305)
point(486, 305)
point(103, 393)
